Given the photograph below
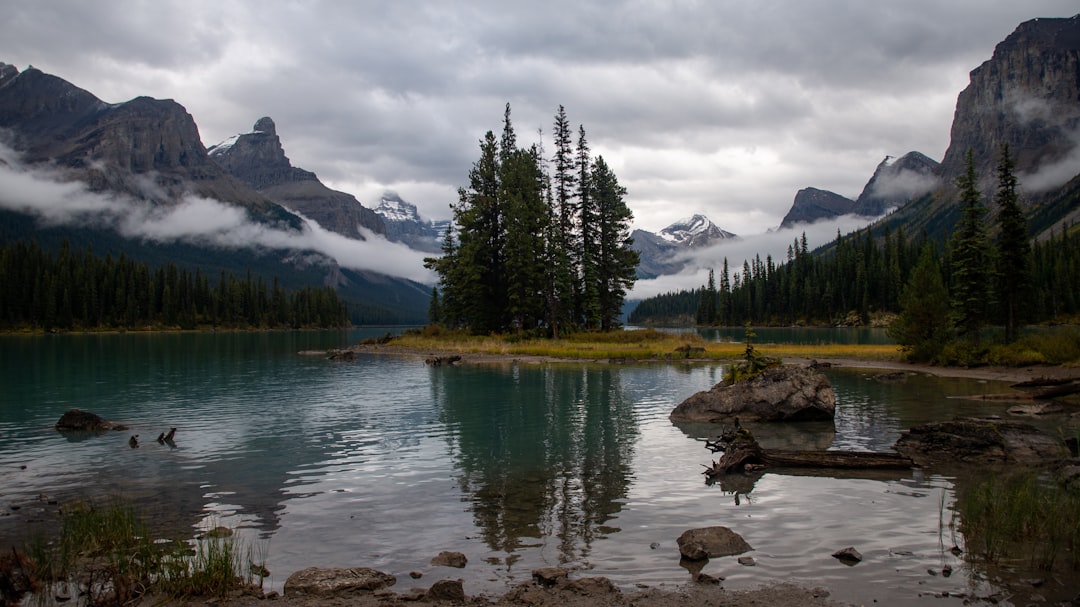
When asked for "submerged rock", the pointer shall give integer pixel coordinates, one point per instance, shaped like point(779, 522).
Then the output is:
point(980, 440)
point(316, 581)
point(779, 394)
point(84, 421)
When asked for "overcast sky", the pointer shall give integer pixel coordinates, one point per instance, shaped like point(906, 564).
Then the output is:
point(717, 107)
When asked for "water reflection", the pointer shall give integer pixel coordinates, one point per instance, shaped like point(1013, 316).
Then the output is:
point(541, 453)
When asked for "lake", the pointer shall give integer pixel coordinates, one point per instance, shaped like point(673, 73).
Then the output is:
point(385, 462)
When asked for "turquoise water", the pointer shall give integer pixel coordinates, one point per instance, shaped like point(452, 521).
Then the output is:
point(385, 462)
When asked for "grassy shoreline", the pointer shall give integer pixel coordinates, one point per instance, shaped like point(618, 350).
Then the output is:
point(642, 345)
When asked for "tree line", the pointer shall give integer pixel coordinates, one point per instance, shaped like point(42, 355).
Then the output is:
point(536, 245)
point(81, 290)
point(950, 290)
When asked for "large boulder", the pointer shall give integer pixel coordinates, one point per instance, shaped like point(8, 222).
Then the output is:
point(785, 393)
point(706, 542)
point(980, 441)
point(315, 581)
point(85, 421)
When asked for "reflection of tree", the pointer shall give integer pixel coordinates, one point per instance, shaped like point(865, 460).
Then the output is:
point(544, 451)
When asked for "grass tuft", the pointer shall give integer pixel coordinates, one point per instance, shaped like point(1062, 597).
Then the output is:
point(1022, 515)
point(112, 557)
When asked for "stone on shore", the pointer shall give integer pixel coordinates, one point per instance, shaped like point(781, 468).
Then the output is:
point(315, 581)
point(980, 441)
point(446, 590)
point(786, 393)
point(84, 421)
point(706, 542)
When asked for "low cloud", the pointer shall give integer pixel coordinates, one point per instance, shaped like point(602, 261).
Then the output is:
point(904, 185)
point(44, 194)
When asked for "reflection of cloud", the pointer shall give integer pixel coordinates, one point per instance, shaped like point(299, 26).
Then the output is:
point(745, 248)
point(192, 219)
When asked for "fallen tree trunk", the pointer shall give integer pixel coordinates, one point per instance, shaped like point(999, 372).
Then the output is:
point(745, 454)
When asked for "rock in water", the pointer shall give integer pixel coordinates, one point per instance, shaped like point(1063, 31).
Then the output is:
point(706, 542)
point(334, 581)
point(786, 393)
point(981, 441)
point(85, 421)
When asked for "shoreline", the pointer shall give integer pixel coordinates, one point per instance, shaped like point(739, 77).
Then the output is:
point(989, 373)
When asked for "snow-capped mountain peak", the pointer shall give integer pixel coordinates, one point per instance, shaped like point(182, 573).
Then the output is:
point(694, 231)
point(393, 208)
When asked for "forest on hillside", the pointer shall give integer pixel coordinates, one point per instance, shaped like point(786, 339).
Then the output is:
point(849, 281)
point(71, 290)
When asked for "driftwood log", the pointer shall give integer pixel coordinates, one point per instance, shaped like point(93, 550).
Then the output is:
point(743, 453)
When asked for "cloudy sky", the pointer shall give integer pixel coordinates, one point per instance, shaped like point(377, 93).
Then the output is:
point(720, 107)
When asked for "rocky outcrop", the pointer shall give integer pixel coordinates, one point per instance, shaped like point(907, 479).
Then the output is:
point(812, 204)
point(315, 581)
point(711, 542)
point(785, 393)
point(77, 420)
point(258, 160)
point(980, 441)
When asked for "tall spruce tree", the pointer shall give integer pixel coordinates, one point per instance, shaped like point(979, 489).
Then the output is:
point(526, 233)
point(562, 235)
point(587, 307)
point(616, 261)
point(478, 265)
point(1013, 262)
point(969, 260)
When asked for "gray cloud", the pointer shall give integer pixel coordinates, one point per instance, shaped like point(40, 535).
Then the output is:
point(725, 108)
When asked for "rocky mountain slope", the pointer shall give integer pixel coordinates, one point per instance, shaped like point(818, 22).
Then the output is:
point(146, 148)
point(258, 159)
point(812, 204)
point(896, 182)
point(1026, 95)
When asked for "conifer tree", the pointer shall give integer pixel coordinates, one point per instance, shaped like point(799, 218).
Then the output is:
point(706, 312)
point(969, 258)
point(922, 327)
point(526, 233)
point(562, 234)
point(587, 307)
point(616, 262)
point(1013, 265)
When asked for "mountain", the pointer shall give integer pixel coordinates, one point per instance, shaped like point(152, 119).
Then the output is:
point(660, 253)
point(146, 148)
point(134, 178)
point(404, 224)
point(896, 182)
point(258, 160)
point(812, 204)
point(1026, 95)
point(694, 232)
